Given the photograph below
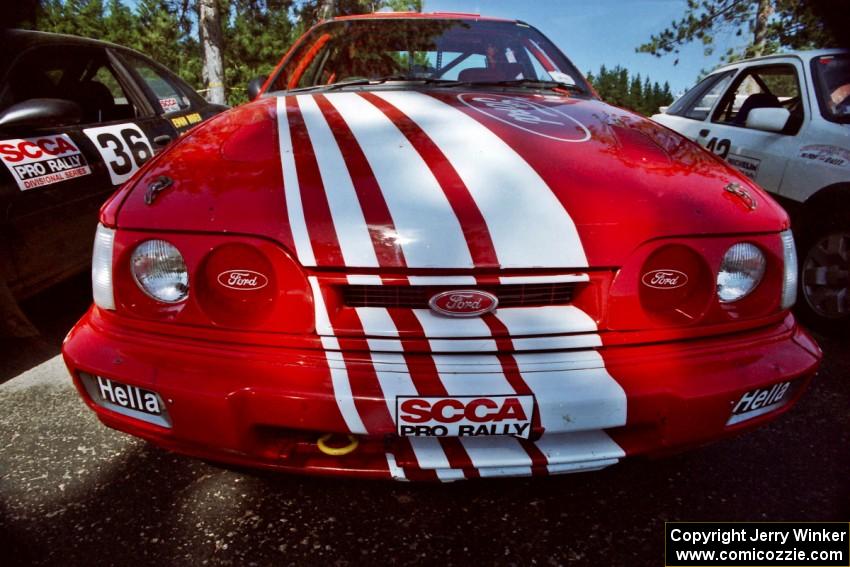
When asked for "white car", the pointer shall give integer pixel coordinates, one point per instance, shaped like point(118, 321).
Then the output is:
point(784, 120)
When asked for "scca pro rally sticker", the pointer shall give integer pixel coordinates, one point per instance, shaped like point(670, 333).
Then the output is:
point(36, 162)
point(464, 416)
point(123, 147)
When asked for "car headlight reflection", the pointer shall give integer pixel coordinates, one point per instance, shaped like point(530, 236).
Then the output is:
point(740, 272)
point(159, 270)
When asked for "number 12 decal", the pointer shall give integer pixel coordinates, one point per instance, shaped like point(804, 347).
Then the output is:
point(123, 147)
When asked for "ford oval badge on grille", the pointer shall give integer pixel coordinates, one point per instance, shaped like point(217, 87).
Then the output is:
point(463, 303)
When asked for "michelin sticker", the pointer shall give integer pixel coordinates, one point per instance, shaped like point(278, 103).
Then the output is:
point(37, 162)
point(746, 165)
point(123, 147)
point(830, 155)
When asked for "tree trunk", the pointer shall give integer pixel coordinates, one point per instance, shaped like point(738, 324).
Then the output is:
point(765, 9)
point(209, 26)
point(327, 9)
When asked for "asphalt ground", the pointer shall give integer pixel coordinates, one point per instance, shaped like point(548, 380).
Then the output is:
point(73, 492)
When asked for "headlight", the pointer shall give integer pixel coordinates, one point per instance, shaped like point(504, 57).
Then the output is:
point(740, 272)
point(159, 270)
point(789, 282)
point(101, 268)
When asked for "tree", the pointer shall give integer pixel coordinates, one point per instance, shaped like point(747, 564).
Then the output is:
point(615, 86)
point(209, 28)
point(768, 24)
point(636, 94)
point(311, 11)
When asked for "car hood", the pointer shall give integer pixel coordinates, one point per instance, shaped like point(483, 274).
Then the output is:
point(446, 179)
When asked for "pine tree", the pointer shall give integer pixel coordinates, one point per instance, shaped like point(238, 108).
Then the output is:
point(636, 94)
point(640, 96)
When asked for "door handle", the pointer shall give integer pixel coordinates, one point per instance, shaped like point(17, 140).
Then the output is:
point(704, 132)
point(162, 140)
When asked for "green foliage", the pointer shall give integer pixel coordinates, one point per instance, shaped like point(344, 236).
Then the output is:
point(256, 33)
point(765, 26)
point(615, 87)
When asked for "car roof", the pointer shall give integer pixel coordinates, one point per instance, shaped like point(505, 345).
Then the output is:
point(16, 41)
point(803, 55)
point(422, 15)
point(20, 39)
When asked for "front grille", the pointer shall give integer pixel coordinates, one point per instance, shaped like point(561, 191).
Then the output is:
point(416, 297)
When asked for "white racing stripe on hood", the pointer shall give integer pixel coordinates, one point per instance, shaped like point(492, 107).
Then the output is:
point(292, 189)
point(427, 228)
point(355, 242)
point(528, 225)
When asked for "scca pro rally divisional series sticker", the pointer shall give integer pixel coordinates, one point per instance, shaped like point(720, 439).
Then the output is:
point(36, 162)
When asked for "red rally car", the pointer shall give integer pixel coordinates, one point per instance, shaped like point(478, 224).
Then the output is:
point(427, 250)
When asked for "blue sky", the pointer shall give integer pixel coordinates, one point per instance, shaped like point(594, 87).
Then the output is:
point(593, 32)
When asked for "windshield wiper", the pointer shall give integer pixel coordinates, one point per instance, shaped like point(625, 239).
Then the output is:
point(528, 83)
point(379, 81)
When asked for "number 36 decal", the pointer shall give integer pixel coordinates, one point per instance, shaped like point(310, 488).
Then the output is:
point(123, 147)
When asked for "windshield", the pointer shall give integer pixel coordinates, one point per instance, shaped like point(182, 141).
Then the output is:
point(424, 49)
point(832, 77)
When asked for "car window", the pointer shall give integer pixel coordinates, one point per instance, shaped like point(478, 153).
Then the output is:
point(697, 102)
point(832, 81)
point(78, 73)
point(408, 48)
point(770, 86)
point(165, 89)
point(452, 63)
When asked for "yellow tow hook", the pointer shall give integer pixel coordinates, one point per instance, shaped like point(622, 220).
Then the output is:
point(322, 443)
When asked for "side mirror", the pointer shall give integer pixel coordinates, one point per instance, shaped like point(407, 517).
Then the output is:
point(41, 112)
point(768, 119)
point(254, 87)
point(663, 109)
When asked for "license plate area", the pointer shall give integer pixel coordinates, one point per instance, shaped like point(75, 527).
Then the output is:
point(761, 401)
point(464, 416)
point(131, 401)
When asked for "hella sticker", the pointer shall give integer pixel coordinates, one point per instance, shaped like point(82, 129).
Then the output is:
point(463, 303)
point(464, 416)
point(243, 280)
point(528, 115)
point(664, 279)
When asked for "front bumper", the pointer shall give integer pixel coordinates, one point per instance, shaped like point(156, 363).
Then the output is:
point(266, 407)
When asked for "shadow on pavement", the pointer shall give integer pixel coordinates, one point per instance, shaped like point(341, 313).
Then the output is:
point(53, 312)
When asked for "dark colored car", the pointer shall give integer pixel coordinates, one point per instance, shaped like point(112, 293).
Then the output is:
point(77, 118)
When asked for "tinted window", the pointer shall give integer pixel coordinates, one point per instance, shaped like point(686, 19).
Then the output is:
point(165, 89)
point(832, 81)
point(81, 74)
